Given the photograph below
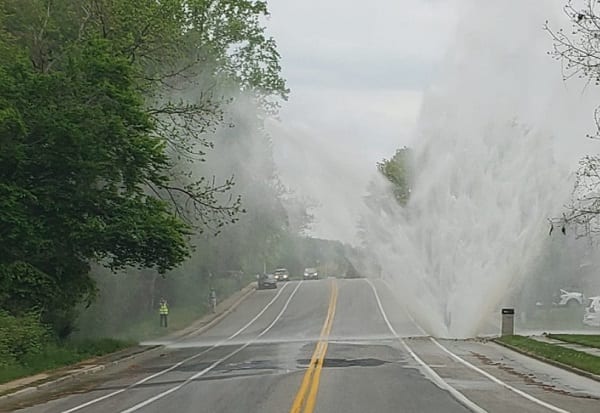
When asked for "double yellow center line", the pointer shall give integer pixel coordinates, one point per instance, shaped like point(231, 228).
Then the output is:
point(307, 394)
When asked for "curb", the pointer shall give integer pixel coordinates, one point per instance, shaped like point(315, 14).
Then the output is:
point(549, 361)
point(32, 388)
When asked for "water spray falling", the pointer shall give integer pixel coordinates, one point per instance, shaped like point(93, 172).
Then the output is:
point(489, 171)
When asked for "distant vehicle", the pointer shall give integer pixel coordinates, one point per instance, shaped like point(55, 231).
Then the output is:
point(569, 299)
point(592, 312)
point(282, 274)
point(311, 274)
point(564, 298)
point(266, 281)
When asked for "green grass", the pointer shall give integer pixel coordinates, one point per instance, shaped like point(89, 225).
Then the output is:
point(187, 304)
point(563, 355)
point(583, 339)
point(148, 328)
point(181, 316)
point(56, 355)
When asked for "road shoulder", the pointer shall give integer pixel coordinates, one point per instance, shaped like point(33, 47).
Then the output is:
point(49, 381)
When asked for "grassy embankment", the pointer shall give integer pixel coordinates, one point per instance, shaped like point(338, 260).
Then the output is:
point(52, 355)
point(30, 350)
point(573, 358)
point(583, 339)
point(185, 307)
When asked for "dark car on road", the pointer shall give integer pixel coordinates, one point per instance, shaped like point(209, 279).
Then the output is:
point(311, 274)
point(282, 274)
point(267, 281)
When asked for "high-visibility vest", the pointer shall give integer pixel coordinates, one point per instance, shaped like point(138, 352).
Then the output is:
point(163, 309)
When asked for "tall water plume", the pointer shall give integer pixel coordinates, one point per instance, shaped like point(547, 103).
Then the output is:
point(498, 134)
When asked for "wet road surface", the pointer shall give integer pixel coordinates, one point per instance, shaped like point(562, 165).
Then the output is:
point(329, 346)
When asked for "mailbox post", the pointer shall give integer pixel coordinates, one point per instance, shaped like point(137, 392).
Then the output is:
point(508, 322)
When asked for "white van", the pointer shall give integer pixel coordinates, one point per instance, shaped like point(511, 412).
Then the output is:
point(592, 312)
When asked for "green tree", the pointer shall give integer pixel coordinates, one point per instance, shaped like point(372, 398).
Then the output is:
point(77, 152)
point(176, 46)
point(96, 128)
point(398, 170)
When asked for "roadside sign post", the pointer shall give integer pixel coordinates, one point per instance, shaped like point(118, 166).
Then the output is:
point(508, 322)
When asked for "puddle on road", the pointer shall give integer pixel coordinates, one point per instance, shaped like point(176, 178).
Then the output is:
point(250, 365)
point(337, 362)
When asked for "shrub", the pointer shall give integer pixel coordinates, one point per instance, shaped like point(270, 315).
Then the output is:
point(20, 336)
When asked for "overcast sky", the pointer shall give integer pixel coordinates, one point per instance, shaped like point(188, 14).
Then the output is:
point(357, 72)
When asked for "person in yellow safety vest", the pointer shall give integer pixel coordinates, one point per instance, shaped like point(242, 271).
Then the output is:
point(164, 312)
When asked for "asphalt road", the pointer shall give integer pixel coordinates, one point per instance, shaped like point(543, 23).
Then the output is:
point(329, 346)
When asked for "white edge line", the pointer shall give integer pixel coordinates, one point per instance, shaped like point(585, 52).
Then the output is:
point(498, 381)
point(477, 369)
point(249, 323)
point(160, 373)
point(216, 363)
point(433, 376)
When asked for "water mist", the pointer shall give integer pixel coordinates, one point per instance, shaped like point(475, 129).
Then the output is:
point(495, 143)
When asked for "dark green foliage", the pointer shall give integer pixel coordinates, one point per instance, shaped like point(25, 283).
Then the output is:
point(19, 337)
point(94, 132)
point(76, 154)
point(52, 355)
point(398, 170)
